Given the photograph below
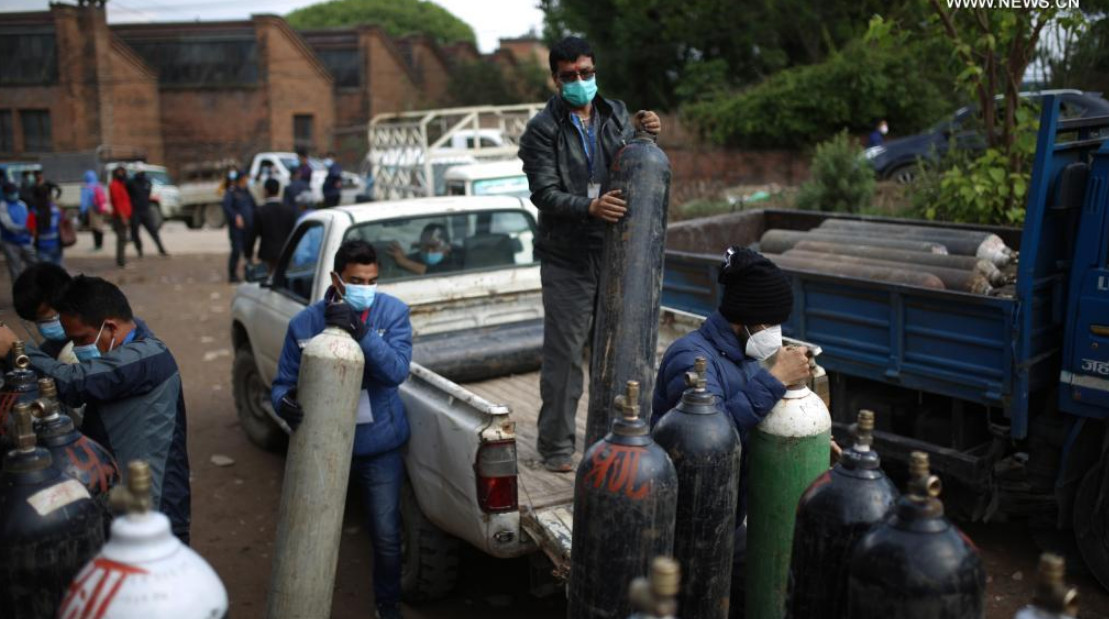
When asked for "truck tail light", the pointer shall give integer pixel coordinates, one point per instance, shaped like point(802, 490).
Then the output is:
point(496, 476)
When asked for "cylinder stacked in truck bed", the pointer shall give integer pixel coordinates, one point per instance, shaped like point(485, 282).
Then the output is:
point(953, 279)
point(861, 271)
point(780, 241)
point(986, 245)
point(965, 263)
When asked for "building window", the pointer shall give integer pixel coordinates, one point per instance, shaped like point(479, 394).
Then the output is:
point(36, 131)
point(302, 131)
point(7, 132)
point(30, 57)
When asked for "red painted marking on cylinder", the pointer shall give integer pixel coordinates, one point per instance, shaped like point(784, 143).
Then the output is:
point(619, 466)
point(91, 466)
point(80, 603)
point(7, 401)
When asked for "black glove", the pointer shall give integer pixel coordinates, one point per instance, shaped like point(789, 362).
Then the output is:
point(289, 410)
point(345, 317)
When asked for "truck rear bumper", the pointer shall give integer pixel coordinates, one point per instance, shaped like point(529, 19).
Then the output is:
point(552, 530)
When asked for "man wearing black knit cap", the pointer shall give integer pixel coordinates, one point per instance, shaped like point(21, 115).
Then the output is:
point(747, 367)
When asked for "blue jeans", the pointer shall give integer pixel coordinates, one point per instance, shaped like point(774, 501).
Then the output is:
point(379, 478)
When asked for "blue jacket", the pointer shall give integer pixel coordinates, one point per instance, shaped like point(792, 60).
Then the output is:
point(746, 389)
point(238, 201)
point(388, 349)
point(333, 184)
point(135, 406)
point(13, 222)
point(49, 232)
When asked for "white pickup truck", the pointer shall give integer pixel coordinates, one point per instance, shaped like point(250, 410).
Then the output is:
point(281, 165)
point(472, 397)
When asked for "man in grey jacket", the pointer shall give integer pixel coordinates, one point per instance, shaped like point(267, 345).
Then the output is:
point(130, 384)
point(567, 149)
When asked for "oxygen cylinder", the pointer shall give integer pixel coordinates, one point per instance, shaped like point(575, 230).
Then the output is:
point(704, 447)
point(626, 322)
point(778, 241)
point(786, 452)
point(1053, 599)
point(313, 495)
point(49, 527)
point(74, 453)
point(835, 511)
point(953, 279)
point(144, 571)
point(656, 597)
point(916, 564)
point(905, 275)
point(964, 263)
point(985, 245)
point(625, 498)
point(20, 387)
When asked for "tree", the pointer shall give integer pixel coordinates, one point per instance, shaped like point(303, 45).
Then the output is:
point(397, 17)
point(653, 53)
point(485, 83)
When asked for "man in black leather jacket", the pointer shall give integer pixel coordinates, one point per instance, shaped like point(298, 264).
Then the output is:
point(567, 149)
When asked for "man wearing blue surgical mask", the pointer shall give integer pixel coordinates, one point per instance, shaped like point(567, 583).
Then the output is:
point(379, 323)
point(130, 385)
point(34, 295)
point(567, 150)
point(434, 253)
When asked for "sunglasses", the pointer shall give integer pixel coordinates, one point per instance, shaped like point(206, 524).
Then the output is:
point(572, 76)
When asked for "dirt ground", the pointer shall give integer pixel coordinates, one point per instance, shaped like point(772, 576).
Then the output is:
point(186, 301)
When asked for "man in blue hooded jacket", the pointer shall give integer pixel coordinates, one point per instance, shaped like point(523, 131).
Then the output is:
point(379, 323)
point(748, 369)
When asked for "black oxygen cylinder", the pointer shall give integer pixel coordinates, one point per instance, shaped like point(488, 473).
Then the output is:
point(20, 386)
point(75, 454)
point(704, 447)
point(630, 290)
point(916, 564)
point(625, 498)
point(833, 513)
point(49, 528)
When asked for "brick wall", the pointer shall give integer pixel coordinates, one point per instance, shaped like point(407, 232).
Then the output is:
point(133, 104)
point(297, 84)
point(391, 84)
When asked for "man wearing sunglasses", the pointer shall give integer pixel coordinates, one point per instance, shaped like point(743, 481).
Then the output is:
point(567, 149)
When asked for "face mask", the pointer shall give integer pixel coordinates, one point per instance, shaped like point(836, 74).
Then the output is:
point(12, 197)
point(359, 297)
point(580, 92)
point(52, 330)
point(765, 343)
point(328, 162)
point(432, 258)
point(884, 129)
point(232, 176)
point(91, 351)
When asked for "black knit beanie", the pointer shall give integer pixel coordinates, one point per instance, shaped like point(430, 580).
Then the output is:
point(756, 291)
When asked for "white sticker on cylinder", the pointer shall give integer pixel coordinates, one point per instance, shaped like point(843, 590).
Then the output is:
point(58, 496)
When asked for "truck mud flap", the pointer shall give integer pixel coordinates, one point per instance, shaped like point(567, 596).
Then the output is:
point(551, 528)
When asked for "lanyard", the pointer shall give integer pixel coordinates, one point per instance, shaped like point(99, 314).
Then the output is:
point(589, 147)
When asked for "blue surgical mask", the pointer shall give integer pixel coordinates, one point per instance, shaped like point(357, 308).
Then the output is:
point(360, 297)
point(88, 352)
point(432, 258)
point(52, 330)
point(580, 92)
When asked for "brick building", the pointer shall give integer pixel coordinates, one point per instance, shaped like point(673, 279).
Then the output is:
point(191, 92)
point(67, 83)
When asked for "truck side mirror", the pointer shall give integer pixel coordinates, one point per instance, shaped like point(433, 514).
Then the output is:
point(257, 273)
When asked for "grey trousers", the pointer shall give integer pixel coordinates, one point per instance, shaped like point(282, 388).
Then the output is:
point(18, 257)
point(569, 301)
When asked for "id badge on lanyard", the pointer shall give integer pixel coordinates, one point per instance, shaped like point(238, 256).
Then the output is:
point(593, 189)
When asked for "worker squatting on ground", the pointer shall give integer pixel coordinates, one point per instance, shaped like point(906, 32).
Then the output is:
point(748, 369)
point(566, 150)
point(128, 381)
point(379, 323)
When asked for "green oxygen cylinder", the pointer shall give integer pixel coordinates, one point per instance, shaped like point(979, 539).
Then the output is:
point(787, 451)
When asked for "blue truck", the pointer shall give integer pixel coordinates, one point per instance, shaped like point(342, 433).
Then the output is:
point(1008, 394)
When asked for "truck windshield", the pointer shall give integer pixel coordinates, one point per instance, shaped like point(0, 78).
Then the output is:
point(292, 163)
point(449, 243)
point(159, 177)
point(508, 185)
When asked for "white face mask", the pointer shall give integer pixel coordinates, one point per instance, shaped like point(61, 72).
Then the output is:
point(884, 129)
point(763, 344)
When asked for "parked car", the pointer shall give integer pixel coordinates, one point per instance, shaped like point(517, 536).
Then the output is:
point(898, 159)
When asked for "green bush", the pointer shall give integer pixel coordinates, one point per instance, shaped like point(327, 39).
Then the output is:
point(842, 180)
point(887, 74)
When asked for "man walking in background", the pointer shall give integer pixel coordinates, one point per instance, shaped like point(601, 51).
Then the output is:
point(333, 183)
point(142, 215)
point(121, 211)
point(273, 224)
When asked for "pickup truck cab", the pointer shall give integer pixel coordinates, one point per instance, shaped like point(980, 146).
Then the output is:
point(494, 178)
point(473, 388)
point(281, 165)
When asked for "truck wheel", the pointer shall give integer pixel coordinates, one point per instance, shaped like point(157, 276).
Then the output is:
point(252, 403)
point(195, 220)
point(1091, 521)
point(904, 174)
point(213, 216)
point(430, 557)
